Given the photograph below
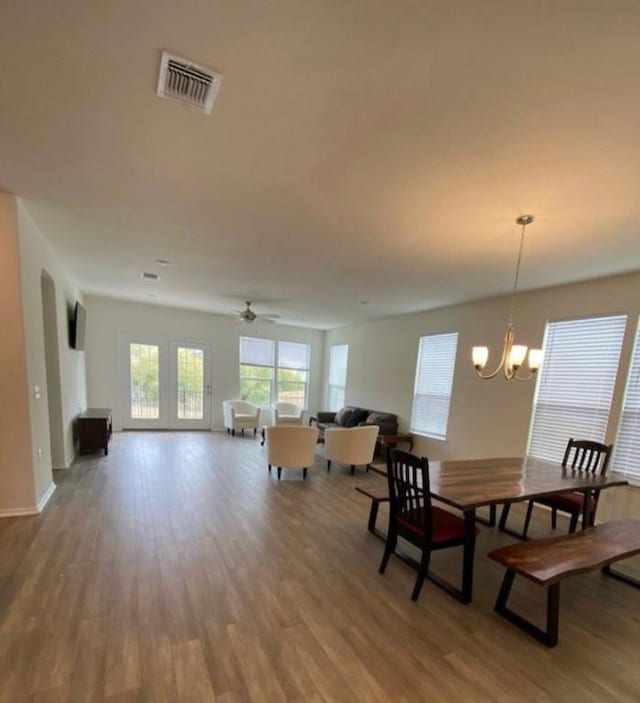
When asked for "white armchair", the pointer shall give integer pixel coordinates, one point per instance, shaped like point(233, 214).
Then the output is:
point(287, 414)
point(353, 446)
point(291, 447)
point(240, 415)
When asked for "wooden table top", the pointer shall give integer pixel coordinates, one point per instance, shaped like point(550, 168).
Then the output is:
point(473, 483)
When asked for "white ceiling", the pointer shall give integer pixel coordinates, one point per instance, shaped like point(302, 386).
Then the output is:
point(358, 149)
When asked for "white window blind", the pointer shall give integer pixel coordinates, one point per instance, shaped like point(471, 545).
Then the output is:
point(336, 390)
point(257, 361)
point(292, 355)
point(293, 373)
point(257, 352)
point(434, 379)
point(575, 384)
point(626, 453)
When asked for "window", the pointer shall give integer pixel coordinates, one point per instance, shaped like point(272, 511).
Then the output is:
point(293, 373)
point(336, 390)
point(434, 379)
point(271, 371)
point(144, 366)
point(576, 382)
point(626, 454)
point(257, 361)
point(190, 380)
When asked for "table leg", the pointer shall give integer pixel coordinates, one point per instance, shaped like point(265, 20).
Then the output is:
point(549, 637)
point(620, 576)
point(491, 520)
point(467, 559)
point(586, 510)
point(373, 516)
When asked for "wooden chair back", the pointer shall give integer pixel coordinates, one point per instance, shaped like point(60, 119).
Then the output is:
point(584, 455)
point(409, 492)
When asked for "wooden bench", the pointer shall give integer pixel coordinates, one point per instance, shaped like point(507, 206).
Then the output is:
point(548, 561)
point(376, 499)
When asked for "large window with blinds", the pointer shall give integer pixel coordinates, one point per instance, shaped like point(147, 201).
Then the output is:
point(575, 384)
point(626, 453)
point(257, 369)
point(274, 371)
point(293, 373)
point(433, 383)
point(337, 386)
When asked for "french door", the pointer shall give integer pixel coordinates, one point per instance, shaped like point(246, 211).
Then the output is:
point(165, 384)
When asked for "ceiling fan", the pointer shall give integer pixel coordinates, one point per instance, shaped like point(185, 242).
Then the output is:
point(248, 316)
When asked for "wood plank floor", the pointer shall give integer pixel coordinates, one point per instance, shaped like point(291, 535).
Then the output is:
point(176, 569)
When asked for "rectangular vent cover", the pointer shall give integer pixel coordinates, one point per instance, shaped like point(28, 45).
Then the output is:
point(148, 276)
point(188, 83)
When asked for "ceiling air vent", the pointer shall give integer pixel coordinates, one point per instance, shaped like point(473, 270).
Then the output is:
point(188, 83)
point(148, 276)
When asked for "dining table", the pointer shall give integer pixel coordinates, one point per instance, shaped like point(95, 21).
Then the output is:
point(470, 484)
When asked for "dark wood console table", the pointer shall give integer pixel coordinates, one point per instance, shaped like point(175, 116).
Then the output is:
point(385, 441)
point(94, 430)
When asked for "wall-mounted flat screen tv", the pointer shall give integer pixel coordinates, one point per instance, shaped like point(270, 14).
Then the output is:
point(78, 327)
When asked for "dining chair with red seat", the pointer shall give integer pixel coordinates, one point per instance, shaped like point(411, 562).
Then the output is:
point(580, 455)
point(413, 517)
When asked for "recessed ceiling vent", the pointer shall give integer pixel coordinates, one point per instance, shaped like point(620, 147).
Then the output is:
point(148, 276)
point(188, 83)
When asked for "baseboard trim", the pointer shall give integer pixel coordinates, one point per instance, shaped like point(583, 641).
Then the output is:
point(31, 510)
point(45, 498)
point(18, 512)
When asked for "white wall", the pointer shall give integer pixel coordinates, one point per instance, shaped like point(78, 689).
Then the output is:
point(17, 486)
point(37, 255)
point(109, 319)
point(487, 418)
point(52, 362)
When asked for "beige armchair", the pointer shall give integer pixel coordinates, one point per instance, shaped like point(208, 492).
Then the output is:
point(291, 447)
point(287, 414)
point(353, 446)
point(240, 415)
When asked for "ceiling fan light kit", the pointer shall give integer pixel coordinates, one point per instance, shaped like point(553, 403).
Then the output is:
point(513, 355)
point(248, 317)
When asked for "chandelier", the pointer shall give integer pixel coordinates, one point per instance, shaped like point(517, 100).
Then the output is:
point(513, 355)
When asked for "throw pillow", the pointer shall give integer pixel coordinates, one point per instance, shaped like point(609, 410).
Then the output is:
point(342, 417)
point(376, 418)
point(357, 416)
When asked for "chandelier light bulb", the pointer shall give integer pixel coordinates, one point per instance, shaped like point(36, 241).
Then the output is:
point(480, 356)
point(535, 359)
point(517, 355)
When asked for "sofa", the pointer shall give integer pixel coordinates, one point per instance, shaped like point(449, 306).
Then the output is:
point(353, 416)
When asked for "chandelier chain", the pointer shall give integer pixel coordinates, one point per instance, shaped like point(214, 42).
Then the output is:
point(514, 293)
